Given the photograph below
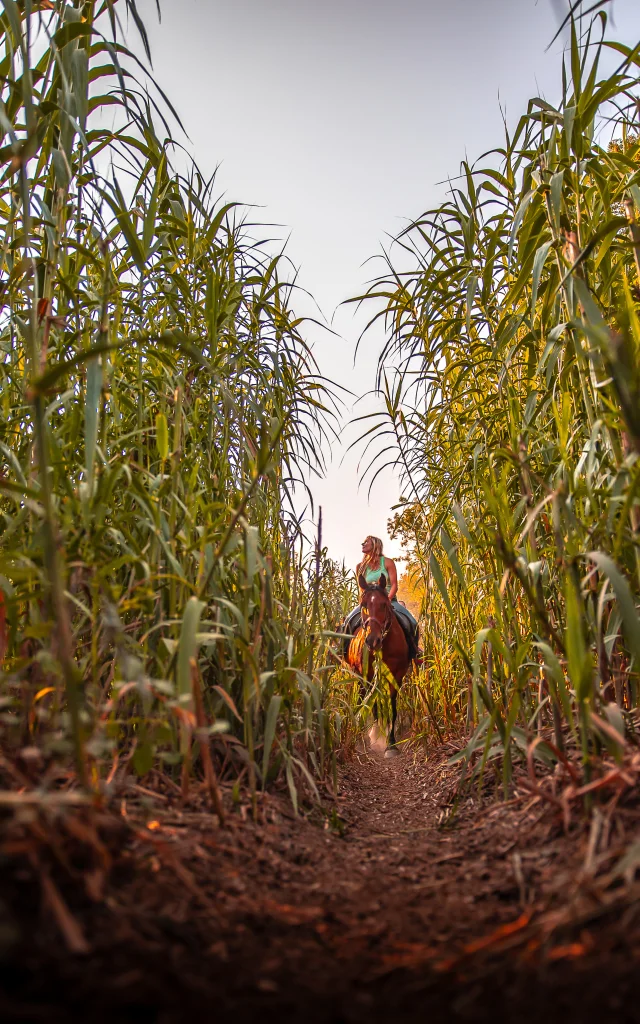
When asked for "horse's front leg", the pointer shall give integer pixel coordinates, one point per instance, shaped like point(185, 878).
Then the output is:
point(391, 744)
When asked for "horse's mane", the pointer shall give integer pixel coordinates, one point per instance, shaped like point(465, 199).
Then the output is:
point(372, 588)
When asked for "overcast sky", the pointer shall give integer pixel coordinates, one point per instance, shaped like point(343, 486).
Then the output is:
point(341, 119)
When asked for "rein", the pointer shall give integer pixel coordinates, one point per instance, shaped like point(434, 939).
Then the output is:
point(386, 627)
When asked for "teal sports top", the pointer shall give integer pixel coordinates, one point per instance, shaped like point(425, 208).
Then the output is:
point(373, 575)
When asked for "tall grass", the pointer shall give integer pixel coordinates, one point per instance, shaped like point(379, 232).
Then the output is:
point(159, 406)
point(511, 376)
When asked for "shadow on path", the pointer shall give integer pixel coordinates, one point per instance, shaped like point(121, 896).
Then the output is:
point(385, 913)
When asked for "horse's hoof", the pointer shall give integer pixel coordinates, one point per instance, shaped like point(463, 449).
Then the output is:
point(390, 752)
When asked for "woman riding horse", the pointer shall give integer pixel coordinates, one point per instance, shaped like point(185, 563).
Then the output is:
point(373, 565)
point(377, 627)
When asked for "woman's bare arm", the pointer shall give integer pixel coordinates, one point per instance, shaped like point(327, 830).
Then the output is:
point(390, 566)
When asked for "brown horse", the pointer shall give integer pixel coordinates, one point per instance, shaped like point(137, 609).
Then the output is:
point(380, 631)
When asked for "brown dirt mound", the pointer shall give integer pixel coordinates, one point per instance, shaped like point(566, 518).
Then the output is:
point(384, 909)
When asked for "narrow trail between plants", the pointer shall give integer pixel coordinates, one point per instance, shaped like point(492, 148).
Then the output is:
point(389, 909)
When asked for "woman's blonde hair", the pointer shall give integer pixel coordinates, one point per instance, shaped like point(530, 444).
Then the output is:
point(372, 560)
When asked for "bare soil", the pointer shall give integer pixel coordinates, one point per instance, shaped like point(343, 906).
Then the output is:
point(389, 908)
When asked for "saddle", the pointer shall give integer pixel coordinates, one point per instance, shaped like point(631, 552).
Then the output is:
point(353, 622)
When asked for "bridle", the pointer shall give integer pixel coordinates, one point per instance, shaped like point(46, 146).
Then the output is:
point(385, 627)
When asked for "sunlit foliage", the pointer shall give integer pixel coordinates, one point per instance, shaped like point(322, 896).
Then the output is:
point(511, 376)
point(159, 405)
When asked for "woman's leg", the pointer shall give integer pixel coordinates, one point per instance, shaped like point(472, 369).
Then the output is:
point(402, 609)
point(409, 624)
point(350, 625)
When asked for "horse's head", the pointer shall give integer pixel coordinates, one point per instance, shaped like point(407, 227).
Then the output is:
point(377, 614)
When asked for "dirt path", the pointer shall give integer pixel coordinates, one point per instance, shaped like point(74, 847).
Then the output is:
point(397, 919)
